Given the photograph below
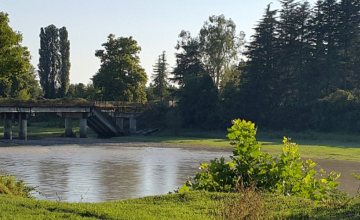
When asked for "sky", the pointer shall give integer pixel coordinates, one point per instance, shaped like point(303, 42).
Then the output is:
point(154, 24)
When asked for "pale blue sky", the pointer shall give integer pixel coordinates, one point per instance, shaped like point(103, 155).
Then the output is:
point(155, 24)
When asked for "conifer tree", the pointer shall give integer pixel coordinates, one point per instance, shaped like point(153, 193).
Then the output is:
point(188, 60)
point(349, 32)
point(260, 78)
point(160, 77)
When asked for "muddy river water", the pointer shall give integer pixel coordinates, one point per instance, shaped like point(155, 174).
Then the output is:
point(102, 173)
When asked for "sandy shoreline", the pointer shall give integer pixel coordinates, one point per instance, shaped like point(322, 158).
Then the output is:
point(102, 142)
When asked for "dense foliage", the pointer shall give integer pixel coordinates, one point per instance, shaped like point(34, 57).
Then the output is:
point(300, 58)
point(250, 167)
point(120, 77)
point(17, 78)
point(299, 61)
point(9, 186)
point(54, 61)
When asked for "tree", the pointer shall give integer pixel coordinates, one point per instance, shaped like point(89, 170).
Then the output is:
point(327, 26)
point(160, 77)
point(349, 32)
point(120, 77)
point(188, 61)
point(16, 73)
point(220, 44)
point(64, 78)
point(260, 80)
point(198, 103)
point(14, 58)
point(294, 51)
point(54, 64)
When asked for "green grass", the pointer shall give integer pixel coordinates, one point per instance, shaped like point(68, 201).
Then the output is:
point(192, 205)
point(39, 130)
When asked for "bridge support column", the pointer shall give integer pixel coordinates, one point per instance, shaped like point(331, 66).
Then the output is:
point(8, 126)
point(132, 125)
point(68, 127)
point(120, 123)
point(23, 126)
point(83, 127)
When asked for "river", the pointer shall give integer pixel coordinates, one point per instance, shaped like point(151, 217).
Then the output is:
point(75, 173)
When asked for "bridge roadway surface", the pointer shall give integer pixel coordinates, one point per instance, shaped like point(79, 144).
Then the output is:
point(105, 118)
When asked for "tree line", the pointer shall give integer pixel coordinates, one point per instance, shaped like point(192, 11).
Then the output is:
point(300, 70)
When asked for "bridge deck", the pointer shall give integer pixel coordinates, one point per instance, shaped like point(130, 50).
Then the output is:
point(71, 106)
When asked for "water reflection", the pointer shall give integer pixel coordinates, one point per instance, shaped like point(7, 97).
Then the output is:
point(103, 173)
point(93, 174)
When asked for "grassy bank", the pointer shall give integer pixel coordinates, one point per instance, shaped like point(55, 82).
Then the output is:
point(311, 145)
point(193, 205)
point(321, 146)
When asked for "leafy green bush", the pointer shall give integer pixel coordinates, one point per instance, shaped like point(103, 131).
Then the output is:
point(9, 186)
point(249, 166)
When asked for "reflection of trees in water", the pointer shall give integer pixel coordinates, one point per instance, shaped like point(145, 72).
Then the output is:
point(119, 178)
point(53, 177)
point(159, 174)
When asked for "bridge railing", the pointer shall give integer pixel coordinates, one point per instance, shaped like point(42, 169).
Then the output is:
point(117, 105)
point(45, 103)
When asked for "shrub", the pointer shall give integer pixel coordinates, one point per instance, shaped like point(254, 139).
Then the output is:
point(9, 186)
point(249, 166)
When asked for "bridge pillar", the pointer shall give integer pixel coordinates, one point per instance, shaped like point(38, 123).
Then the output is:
point(83, 127)
point(120, 123)
point(8, 125)
point(23, 126)
point(132, 125)
point(68, 127)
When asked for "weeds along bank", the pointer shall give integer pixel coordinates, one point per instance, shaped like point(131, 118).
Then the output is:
point(251, 185)
point(247, 204)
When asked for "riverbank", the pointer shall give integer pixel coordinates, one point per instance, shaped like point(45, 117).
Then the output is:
point(192, 205)
point(311, 144)
point(315, 149)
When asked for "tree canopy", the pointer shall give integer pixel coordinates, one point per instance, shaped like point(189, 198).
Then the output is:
point(120, 77)
point(17, 79)
point(54, 61)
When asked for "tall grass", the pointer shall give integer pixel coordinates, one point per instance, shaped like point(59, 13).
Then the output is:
point(9, 186)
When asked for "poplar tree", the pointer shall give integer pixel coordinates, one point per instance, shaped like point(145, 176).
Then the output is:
point(64, 78)
point(54, 63)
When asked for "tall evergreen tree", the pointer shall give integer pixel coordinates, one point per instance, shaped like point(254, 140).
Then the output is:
point(349, 32)
point(160, 77)
point(260, 81)
point(294, 51)
point(328, 24)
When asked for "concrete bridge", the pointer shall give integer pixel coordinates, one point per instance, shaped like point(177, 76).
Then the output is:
point(105, 118)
